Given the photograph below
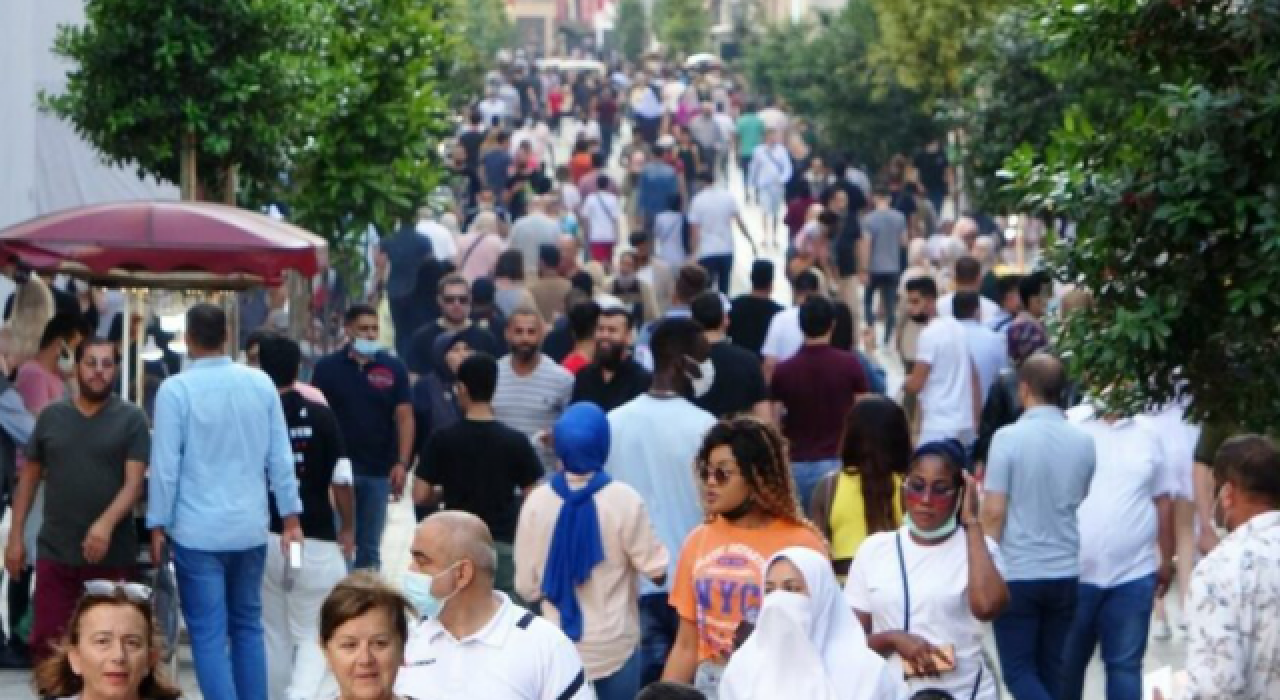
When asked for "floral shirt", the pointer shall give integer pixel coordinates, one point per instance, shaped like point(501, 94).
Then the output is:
point(1234, 647)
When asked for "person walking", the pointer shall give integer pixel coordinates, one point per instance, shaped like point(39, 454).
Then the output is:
point(739, 385)
point(987, 348)
point(292, 596)
point(583, 542)
point(1039, 470)
point(748, 135)
point(16, 424)
point(712, 215)
point(533, 231)
point(657, 183)
point(532, 389)
point(886, 229)
point(751, 313)
point(368, 390)
point(968, 278)
point(943, 376)
point(769, 172)
point(91, 453)
point(207, 502)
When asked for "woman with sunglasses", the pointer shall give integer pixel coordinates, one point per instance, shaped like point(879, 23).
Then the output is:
point(750, 502)
point(923, 591)
point(108, 651)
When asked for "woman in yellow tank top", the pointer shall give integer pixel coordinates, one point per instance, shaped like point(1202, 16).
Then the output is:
point(863, 497)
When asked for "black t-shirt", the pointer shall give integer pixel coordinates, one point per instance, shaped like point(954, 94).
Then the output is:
point(317, 447)
point(739, 383)
point(464, 184)
point(846, 244)
point(471, 142)
point(749, 320)
point(904, 202)
point(480, 466)
point(559, 341)
point(630, 381)
point(933, 170)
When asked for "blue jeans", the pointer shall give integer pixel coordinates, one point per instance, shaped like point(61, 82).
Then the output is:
point(1031, 636)
point(1115, 619)
point(887, 284)
point(624, 683)
point(808, 474)
point(719, 268)
point(221, 597)
point(658, 626)
point(372, 494)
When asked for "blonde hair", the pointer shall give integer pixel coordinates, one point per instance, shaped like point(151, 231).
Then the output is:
point(486, 222)
point(32, 308)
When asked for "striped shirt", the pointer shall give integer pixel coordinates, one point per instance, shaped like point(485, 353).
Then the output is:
point(533, 403)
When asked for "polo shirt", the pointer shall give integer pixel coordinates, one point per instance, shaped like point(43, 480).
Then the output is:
point(630, 381)
point(516, 656)
point(817, 388)
point(364, 400)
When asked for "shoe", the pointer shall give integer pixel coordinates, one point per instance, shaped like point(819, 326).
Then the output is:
point(14, 659)
point(1160, 630)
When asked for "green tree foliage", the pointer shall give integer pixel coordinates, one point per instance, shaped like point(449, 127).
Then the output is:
point(478, 29)
point(684, 26)
point(1174, 192)
point(631, 27)
point(146, 73)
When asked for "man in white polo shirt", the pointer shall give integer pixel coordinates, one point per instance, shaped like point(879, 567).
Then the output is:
point(474, 642)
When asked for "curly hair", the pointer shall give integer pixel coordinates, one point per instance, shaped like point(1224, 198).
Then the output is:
point(761, 454)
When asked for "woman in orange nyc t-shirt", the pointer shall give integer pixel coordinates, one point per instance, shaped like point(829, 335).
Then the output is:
point(747, 492)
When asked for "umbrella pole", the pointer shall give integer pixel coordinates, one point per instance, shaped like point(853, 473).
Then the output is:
point(139, 396)
point(125, 317)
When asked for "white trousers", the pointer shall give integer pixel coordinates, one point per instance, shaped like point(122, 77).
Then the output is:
point(296, 669)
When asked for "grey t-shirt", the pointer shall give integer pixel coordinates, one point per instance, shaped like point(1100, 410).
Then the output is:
point(533, 404)
point(83, 458)
point(1044, 466)
point(885, 226)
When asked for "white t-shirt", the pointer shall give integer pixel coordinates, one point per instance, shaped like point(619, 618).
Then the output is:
point(602, 210)
point(728, 127)
point(443, 246)
point(946, 401)
point(713, 211)
point(784, 338)
point(938, 583)
point(988, 311)
point(492, 108)
point(570, 197)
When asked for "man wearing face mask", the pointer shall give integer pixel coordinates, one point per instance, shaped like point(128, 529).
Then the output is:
point(474, 642)
point(614, 378)
point(368, 390)
point(1234, 633)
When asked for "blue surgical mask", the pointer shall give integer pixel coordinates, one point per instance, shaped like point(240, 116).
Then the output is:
point(943, 531)
point(417, 588)
point(365, 347)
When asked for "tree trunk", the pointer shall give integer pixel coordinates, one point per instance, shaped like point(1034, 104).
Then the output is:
point(187, 172)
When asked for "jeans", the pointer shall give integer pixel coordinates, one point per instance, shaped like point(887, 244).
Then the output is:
point(61, 587)
point(1031, 636)
point(1116, 620)
point(372, 494)
point(887, 284)
point(808, 474)
point(658, 626)
point(622, 684)
point(719, 268)
point(937, 198)
point(296, 667)
point(221, 594)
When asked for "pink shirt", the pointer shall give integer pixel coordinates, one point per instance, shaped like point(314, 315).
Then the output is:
point(474, 264)
point(38, 386)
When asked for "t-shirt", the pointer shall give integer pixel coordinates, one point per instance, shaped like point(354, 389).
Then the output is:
point(364, 399)
point(717, 582)
point(629, 381)
point(603, 212)
point(886, 226)
point(817, 388)
point(989, 312)
point(848, 514)
point(471, 141)
point(496, 166)
point(739, 382)
point(713, 211)
point(533, 403)
point(750, 134)
point(946, 401)
point(529, 234)
point(938, 582)
point(317, 447)
point(749, 318)
point(655, 187)
point(83, 458)
point(480, 466)
point(785, 338)
point(668, 231)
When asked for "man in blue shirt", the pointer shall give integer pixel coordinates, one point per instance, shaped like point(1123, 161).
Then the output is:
point(219, 440)
point(368, 390)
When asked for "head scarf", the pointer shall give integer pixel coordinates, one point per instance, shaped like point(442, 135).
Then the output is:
point(828, 659)
point(582, 444)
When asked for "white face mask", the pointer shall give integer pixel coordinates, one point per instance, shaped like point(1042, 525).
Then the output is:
point(701, 384)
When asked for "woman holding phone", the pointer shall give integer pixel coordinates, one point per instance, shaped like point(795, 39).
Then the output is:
point(923, 591)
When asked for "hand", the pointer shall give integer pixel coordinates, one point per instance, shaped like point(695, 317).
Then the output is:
point(157, 548)
point(397, 482)
point(918, 652)
point(290, 532)
point(15, 557)
point(347, 542)
point(970, 502)
point(1164, 577)
point(96, 542)
point(865, 278)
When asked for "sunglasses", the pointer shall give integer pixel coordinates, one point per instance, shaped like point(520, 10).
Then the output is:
point(135, 592)
point(455, 300)
point(918, 489)
point(716, 475)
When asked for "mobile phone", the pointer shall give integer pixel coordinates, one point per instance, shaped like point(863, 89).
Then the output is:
point(944, 661)
point(295, 555)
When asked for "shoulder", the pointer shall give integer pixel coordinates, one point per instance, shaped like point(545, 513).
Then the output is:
point(872, 548)
point(549, 369)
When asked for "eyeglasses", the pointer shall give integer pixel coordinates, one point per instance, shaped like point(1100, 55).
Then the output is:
point(135, 592)
point(918, 488)
point(717, 475)
point(456, 300)
point(92, 363)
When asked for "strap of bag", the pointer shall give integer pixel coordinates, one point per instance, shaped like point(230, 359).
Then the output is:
point(467, 255)
point(906, 590)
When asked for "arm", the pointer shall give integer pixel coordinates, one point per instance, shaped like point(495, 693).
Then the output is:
point(988, 594)
point(1165, 540)
point(864, 258)
point(1203, 489)
point(98, 539)
point(995, 499)
point(404, 433)
point(682, 664)
point(423, 491)
point(529, 551)
point(994, 510)
point(283, 476)
point(695, 234)
point(975, 392)
point(344, 501)
point(166, 464)
point(15, 419)
point(916, 380)
point(15, 558)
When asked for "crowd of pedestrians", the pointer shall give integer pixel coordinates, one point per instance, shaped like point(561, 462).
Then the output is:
point(627, 483)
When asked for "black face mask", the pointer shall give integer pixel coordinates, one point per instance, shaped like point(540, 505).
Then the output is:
point(739, 511)
point(921, 319)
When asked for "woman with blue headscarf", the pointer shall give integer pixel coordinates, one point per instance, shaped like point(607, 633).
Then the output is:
point(580, 543)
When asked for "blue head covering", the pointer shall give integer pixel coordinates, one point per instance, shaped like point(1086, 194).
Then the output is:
point(949, 449)
point(582, 444)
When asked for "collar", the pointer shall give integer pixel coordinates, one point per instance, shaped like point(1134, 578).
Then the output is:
point(1261, 521)
point(210, 362)
point(494, 633)
point(1043, 413)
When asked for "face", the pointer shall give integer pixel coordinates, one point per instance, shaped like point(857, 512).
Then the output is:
point(919, 307)
point(524, 336)
point(455, 303)
point(96, 372)
point(929, 493)
point(454, 356)
point(1039, 303)
point(612, 336)
point(365, 327)
point(627, 265)
point(365, 653)
point(113, 654)
point(721, 482)
point(484, 199)
point(430, 555)
point(784, 576)
point(252, 355)
point(839, 202)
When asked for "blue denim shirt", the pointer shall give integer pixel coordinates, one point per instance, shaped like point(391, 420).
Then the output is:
point(220, 437)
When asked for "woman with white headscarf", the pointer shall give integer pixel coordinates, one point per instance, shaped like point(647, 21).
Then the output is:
point(807, 642)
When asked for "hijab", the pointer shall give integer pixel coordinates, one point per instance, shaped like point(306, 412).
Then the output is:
point(828, 660)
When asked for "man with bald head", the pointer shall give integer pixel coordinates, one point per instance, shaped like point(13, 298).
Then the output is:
point(473, 642)
point(1038, 472)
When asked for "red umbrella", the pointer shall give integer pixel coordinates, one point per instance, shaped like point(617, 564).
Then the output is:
point(165, 244)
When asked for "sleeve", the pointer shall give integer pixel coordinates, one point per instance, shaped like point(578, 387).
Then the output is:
point(999, 464)
point(682, 594)
point(431, 467)
point(695, 214)
point(166, 455)
point(576, 395)
point(139, 448)
point(857, 593)
point(530, 548)
point(565, 677)
point(15, 419)
point(320, 379)
point(281, 469)
point(527, 468)
point(1217, 658)
point(646, 552)
point(927, 344)
point(419, 359)
point(35, 444)
point(401, 387)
